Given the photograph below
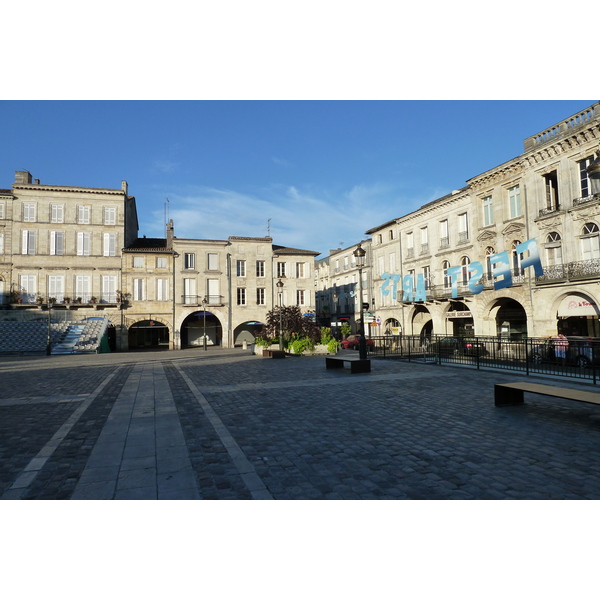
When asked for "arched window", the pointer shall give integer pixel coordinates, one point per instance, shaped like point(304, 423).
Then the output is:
point(465, 261)
point(590, 242)
point(553, 249)
point(447, 278)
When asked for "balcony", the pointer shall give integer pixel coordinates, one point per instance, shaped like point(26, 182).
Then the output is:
point(585, 200)
point(463, 237)
point(573, 271)
point(193, 300)
point(444, 243)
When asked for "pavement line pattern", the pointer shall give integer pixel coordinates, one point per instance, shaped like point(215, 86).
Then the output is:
point(35, 465)
point(141, 452)
point(248, 473)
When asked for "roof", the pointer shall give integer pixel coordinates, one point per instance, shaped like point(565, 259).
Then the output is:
point(296, 251)
point(148, 244)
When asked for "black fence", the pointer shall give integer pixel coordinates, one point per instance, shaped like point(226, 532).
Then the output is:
point(577, 357)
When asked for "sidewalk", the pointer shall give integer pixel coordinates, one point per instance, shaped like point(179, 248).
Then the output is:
point(224, 424)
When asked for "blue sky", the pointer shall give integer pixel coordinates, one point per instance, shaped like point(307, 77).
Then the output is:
point(323, 172)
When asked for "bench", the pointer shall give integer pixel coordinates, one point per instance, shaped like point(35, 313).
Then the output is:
point(511, 394)
point(357, 365)
point(274, 353)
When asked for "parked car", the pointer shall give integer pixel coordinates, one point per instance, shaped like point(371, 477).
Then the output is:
point(351, 343)
point(582, 351)
point(455, 346)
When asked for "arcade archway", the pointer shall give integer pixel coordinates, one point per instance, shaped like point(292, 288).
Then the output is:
point(247, 332)
point(511, 319)
point(198, 325)
point(145, 335)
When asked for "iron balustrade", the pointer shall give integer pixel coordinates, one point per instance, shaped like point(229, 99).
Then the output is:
point(528, 355)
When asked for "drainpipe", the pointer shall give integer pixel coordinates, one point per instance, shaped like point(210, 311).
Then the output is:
point(529, 276)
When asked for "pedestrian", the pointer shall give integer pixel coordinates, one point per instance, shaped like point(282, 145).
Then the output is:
point(561, 343)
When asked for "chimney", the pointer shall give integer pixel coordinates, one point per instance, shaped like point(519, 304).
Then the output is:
point(170, 232)
point(22, 177)
point(124, 186)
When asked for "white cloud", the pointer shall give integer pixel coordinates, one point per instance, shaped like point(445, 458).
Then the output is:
point(309, 219)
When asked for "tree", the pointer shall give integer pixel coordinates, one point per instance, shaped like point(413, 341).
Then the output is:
point(292, 322)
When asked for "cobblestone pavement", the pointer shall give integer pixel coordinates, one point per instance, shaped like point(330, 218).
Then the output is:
point(224, 424)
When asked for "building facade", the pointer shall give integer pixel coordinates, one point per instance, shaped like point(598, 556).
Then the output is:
point(460, 265)
point(78, 249)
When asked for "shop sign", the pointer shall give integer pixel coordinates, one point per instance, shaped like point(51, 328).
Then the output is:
point(459, 314)
point(501, 274)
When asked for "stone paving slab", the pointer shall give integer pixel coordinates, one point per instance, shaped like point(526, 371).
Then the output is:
point(225, 424)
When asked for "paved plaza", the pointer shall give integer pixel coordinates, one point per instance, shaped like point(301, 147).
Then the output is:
point(225, 424)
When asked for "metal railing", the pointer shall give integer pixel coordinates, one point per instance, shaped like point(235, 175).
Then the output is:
point(529, 355)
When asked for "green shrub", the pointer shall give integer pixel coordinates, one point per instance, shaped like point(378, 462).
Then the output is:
point(299, 345)
point(259, 341)
point(332, 346)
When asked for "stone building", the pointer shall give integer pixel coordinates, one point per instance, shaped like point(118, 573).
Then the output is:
point(461, 264)
point(78, 249)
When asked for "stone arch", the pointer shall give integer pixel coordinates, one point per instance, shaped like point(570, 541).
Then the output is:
point(577, 312)
point(247, 332)
point(199, 325)
point(146, 334)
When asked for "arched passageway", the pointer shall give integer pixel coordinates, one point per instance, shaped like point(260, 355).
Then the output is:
point(148, 335)
point(198, 325)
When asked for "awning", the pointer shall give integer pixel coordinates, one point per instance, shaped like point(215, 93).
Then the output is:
point(578, 306)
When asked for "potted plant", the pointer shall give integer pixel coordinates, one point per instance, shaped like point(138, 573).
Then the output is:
point(78, 300)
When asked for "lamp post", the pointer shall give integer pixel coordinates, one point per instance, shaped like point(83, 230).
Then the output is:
point(280, 293)
point(204, 317)
point(359, 255)
point(48, 337)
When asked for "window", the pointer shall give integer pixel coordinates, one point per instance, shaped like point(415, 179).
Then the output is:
point(517, 258)
point(489, 251)
point(447, 278)
point(280, 269)
point(392, 262)
point(138, 289)
point(424, 240)
point(213, 262)
point(56, 287)
point(83, 215)
point(590, 246)
point(551, 185)
point(584, 177)
point(162, 289)
point(2, 213)
point(109, 288)
point(28, 285)
point(189, 260)
point(514, 201)
point(488, 211)
point(189, 291)
point(29, 212)
point(212, 289)
point(444, 236)
point(57, 243)
point(241, 268)
point(391, 234)
point(553, 249)
point(83, 243)
point(241, 296)
point(300, 297)
point(28, 245)
point(83, 287)
point(57, 213)
point(260, 268)
point(300, 270)
point(427, 276)
point(465, 261)
point(260, 296)
point(110, 215)
point(161, 262)
point(110, 244)
point(138, 262)
point(410, 245)
point(463, 228)
point(1, 242)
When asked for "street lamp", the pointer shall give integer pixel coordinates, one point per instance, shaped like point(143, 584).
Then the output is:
point(48, 338)
point(360, 255)
point(280, 293)
point(204, 317)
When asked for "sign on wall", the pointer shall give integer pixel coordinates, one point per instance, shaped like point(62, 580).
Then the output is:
point(500, 271)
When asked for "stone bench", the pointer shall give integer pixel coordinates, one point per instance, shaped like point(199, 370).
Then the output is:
point(357, 365)
point(511, 394)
